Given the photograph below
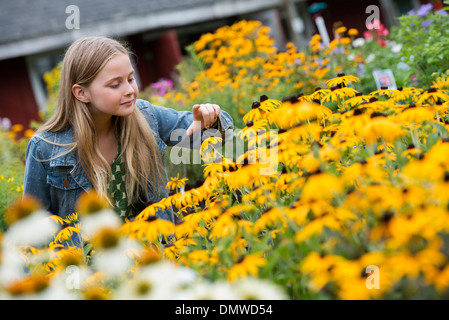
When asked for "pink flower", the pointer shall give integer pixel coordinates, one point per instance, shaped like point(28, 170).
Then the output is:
point(367, 35)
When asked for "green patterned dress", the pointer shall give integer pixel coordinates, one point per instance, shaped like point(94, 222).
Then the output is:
point(118, 188)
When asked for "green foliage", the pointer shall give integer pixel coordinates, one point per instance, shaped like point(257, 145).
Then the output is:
point(425, 44)
point(12, 168)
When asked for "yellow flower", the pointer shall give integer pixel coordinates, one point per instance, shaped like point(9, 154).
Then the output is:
point(433, 95)
point(341, 79)
point(224, 226)
point(319, 93)
point(151, 229)
point(381, 127)
point(339, 93)
point(272, 218)
point(353, 32)
point(357, 99)
point(17, 128)
point(248, 265)
point(149, 255)
point(66, 233)
point(384, 91)
point(340, 30)
point(345, 41)
point(416, 114)
point(441, 83)
point(320, 268)
point(252, 128)
point(176, 182)
point(404, 93)
point(28, 133)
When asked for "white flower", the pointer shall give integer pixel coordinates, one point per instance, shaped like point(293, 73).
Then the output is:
point(257, 289)
point(72, 279)
point(54, 291)
point(5, 124)
point(112, 262)
point(93, 222)
point(396, 48)
point(174, 277)
point(13, 266)
point(358, 42)
point(160, 280)
point(370, 58)
point(34, 230)
point(403, 66)
point(140, 288)
point(206, 290)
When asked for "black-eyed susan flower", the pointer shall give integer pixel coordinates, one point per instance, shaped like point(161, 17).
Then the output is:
point(255, 114)
point(319, 93)
point(381, 127)
point(416, 114)
point(224, 226)
point(322, 186)
point(432, 96)
point(357, 99)
point(177, 183)
point(66, 233)
point(267, 104)
point(403, 94)
point(248, 265)
point(310, 111)
point(383, 91)
point(441, 83)
point(252, 128)
point(338, 94)
point(342, 80)
point(320, 268)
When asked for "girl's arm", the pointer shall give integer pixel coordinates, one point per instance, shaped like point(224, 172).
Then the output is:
point(173, 125)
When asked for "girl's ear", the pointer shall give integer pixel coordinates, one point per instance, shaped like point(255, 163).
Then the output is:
point(80, 93)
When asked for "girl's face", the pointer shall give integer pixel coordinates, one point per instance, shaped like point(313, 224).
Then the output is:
point(114, 89)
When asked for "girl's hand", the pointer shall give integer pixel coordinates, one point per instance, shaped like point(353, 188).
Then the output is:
point(204, 116)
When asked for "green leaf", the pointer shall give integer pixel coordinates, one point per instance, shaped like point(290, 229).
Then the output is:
point(87, 248)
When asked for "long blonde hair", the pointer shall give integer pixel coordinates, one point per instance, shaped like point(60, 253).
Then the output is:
point(83, 60)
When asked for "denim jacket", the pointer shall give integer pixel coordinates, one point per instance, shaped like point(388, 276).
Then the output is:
point(58, 180)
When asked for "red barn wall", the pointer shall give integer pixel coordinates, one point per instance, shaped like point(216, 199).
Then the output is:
point(16, 95)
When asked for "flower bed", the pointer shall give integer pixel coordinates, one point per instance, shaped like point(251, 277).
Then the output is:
point(342, 193)
point(361, 187)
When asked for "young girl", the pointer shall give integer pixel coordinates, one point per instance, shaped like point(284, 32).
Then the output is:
point(102, 137)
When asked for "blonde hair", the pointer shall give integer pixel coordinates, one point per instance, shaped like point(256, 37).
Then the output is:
point(83, 60)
